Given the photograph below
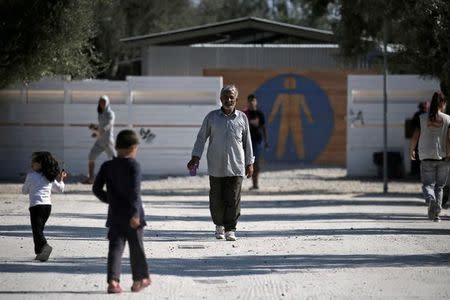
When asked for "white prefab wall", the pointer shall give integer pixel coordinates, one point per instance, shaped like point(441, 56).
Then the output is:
point(365, 117)
point(166, 112)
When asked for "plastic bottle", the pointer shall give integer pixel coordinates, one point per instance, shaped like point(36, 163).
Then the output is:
point(193, 170)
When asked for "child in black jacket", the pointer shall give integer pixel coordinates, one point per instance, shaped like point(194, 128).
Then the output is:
point(126, 218)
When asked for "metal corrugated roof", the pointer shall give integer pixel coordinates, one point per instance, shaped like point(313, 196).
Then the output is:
point(237, 31)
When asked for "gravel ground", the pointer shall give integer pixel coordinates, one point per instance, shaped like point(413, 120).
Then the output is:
point(306, 234)
point(296, 181)
point(299, 181)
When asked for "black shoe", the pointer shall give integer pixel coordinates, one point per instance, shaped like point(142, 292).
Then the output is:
point(45, 253)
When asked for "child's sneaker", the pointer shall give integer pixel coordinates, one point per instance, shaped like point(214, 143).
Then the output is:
point(45, 253)
point(140, 285)
point(230, 236)
point(220, 232)
point(437, 219)
point(114, 287)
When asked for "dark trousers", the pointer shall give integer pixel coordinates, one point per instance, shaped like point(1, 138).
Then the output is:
point(225, 200)
point(38, 216)
point(117, 237)
point(415, 168)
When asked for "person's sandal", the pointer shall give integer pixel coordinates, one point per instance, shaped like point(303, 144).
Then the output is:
point(140, 285)
point(114, 288)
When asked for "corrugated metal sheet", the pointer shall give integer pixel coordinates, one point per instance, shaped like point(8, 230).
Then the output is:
point(190, 61)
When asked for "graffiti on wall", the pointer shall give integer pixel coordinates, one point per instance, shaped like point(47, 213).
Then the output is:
point(147, 135)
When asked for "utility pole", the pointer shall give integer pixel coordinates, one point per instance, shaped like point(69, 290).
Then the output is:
point(385, 70)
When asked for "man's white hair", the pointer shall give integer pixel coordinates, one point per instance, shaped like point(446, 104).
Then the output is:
point(229, 88)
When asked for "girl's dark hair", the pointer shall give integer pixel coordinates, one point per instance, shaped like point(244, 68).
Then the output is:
point(49, 165)
point(436, 102)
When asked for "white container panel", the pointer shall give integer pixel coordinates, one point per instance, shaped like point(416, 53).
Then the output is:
point(365, 117)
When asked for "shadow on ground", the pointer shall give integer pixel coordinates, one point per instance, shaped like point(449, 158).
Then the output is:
point(99, 233)
point(218, 266)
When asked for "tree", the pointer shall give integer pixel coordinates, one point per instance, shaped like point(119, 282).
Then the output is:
point(418, 32)
point(45, 37)
point(116, 19)
point(81, 37)
point(298, 12)
point(425, 41)
point(304, 12)
point(210, 11)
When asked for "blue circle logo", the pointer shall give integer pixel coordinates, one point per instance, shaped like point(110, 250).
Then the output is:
point(299, 118)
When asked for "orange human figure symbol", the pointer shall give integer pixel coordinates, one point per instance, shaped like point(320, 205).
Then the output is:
point(290, 107)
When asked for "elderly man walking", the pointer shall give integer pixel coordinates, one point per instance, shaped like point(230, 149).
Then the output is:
point(229, 158)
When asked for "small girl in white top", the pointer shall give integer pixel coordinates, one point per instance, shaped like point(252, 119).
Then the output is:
point(39, 183)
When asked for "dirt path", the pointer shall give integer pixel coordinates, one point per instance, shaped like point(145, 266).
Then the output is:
point(308, 234)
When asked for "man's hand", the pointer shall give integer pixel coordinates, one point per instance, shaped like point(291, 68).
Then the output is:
point(135, 222)
point(413, 144)
point(193, 162)
point(412, 155)
point(249, 171)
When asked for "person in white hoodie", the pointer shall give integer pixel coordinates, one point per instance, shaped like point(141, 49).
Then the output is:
point(104, 134)
point(44, 178)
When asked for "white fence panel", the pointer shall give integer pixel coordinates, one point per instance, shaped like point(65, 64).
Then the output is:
point(169, 115)
point(365, 117)
point(166, 112)
point(40, 113)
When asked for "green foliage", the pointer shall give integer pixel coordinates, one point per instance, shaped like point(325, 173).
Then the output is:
point(418, 32)
point(312, 13)
point(43, 38)
point(81, 37)
point(150, 16)
point(300, 12)
point(116, 19)
point(210, 11)
point(425, 39)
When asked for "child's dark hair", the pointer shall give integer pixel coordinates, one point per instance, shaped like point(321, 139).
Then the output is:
point(126, 138)
point(49, 165)
point(436, 102)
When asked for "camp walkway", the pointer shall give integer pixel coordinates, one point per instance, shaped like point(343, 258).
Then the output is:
point(303, 236)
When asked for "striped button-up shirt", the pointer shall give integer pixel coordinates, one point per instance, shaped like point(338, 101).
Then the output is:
point(230, 145)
